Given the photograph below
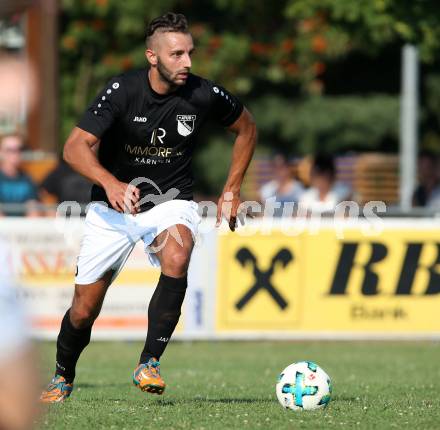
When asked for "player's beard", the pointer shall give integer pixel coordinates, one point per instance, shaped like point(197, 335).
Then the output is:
point(166, 75)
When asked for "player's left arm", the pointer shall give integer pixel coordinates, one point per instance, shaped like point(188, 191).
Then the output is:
point(246, 138)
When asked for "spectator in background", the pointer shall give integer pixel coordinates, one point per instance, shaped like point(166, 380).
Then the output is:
point(64, 184)
point(427, 193)
point(283, 187)
point(324, 193)
point(15, 186)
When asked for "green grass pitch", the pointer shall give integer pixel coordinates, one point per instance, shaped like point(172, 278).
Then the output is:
point(231, 385)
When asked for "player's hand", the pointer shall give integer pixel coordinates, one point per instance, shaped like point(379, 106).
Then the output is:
point(123, 197)
point(227, 206)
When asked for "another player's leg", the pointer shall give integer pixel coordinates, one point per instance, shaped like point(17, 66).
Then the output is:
point(18, 389)
point(165, 306)
point(74, 336)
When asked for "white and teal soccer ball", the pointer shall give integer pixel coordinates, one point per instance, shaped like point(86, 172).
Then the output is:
point(303, 385)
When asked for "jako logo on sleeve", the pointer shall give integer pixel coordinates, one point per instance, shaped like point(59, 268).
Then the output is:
point(140, 119)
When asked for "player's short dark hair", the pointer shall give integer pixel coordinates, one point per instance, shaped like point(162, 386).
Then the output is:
point(169, 22)
point(323, 164)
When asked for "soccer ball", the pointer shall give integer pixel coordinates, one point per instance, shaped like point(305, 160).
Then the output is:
point(303, 385)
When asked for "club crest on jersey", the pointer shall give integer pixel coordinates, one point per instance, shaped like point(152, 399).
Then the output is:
point(185, 124)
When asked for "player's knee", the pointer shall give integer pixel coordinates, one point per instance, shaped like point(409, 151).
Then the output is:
point(83, 316)
point(176, 263)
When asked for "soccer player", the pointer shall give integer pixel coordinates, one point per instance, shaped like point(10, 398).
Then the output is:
point(145, 122)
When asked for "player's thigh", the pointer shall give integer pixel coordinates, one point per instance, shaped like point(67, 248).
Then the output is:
point(174, 246)
point(106, 244)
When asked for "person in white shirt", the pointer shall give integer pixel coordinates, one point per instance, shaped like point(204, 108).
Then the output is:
point(283, 187)
point(427, 193)
point(325, 192)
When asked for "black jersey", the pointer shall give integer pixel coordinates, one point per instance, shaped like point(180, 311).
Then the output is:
point(150, 136)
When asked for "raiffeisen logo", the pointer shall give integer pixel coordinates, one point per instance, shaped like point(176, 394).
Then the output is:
point(359, 269)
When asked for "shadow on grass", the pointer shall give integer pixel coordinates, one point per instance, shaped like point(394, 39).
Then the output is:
point(163, 402)
point(345, 399)
point(166, 402)
point(100, 385)
point(179, 402)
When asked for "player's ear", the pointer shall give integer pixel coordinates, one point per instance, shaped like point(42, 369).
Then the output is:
point(151, 56)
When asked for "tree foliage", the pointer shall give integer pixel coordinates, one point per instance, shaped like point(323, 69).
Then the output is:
point(371, 24)
point(355, 122)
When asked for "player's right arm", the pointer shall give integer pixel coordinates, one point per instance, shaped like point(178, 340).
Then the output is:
point(80, 148)
point(79, 154)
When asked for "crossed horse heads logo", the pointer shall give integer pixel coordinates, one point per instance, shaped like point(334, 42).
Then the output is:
point(263, 278)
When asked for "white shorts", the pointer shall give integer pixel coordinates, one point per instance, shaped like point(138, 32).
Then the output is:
point(110, 236)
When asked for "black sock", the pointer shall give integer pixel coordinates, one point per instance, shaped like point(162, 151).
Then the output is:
point(163, 315)
point(70, 343)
